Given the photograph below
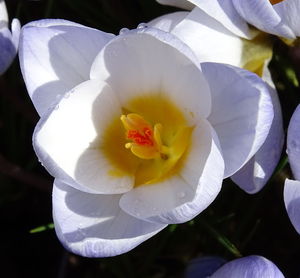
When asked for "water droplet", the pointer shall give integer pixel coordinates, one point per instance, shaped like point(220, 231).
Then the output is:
point(56, 107)
point(181, 194)
point(138, 214)
point(123, 31)
point(67, 95)
point(142, 25)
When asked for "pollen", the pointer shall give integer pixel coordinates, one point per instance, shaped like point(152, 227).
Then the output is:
point(143, 138)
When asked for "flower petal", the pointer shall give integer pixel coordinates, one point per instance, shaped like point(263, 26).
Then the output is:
point(55, 56)
point(292, 201)
point(15, 30)
point(203, 267)
point(93, 225)
point(8, 40)
point(181, 197)
point(293, 143)
point(7, 49)
point(3, 14)
point(203, 35)
point(177, 3)
point(148, 60)
point(224, 12)
point(242, 112)
point(248, 267)
point(289, 11)
point(261, 14)
point(253, 176)
point(167, 22)
point(67, 140)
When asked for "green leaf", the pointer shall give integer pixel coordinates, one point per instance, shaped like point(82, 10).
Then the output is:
point(43, 228)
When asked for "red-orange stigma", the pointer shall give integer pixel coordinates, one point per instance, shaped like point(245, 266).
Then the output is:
point(142, 139)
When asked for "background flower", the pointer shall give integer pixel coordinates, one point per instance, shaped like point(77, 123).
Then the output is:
point(275, 17)
point(247, 267)
point(292, 187)
point(209, 25)
point(8, 40)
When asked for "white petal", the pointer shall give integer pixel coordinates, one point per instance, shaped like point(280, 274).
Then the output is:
point(167, 22)
point(289, 11)
point(225, 13)
point(292, 201)
point(177, 3)
point(254, 175)
point(93, 225)
point(7, 49)
point(15, 30)
point(209, 39)
point(55, 56)
point(293, 143)
point(148, 60)
point(3, 14)
point(249, 267)
point(68, 140)
point(183, 196)
point(261, 14)
point(242, 112)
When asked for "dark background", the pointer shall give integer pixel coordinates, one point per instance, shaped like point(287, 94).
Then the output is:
point(235, 224)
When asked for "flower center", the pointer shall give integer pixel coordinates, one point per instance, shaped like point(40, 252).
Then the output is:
point(146, 141)
point(155, 144)
point(273, 2)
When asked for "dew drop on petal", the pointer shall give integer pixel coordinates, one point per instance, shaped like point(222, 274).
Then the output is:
point(123, 30)
point(181, 194)
point(142, 25)
point(67, 95)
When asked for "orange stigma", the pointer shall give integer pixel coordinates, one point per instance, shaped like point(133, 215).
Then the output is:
point(273, 2)
point(144, 138)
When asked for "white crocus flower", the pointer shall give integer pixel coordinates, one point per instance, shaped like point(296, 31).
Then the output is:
point(8, 40)
point(136, 133)
point(216, 33)
point(292, 187)
point(278, 17)
point(247, 267)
